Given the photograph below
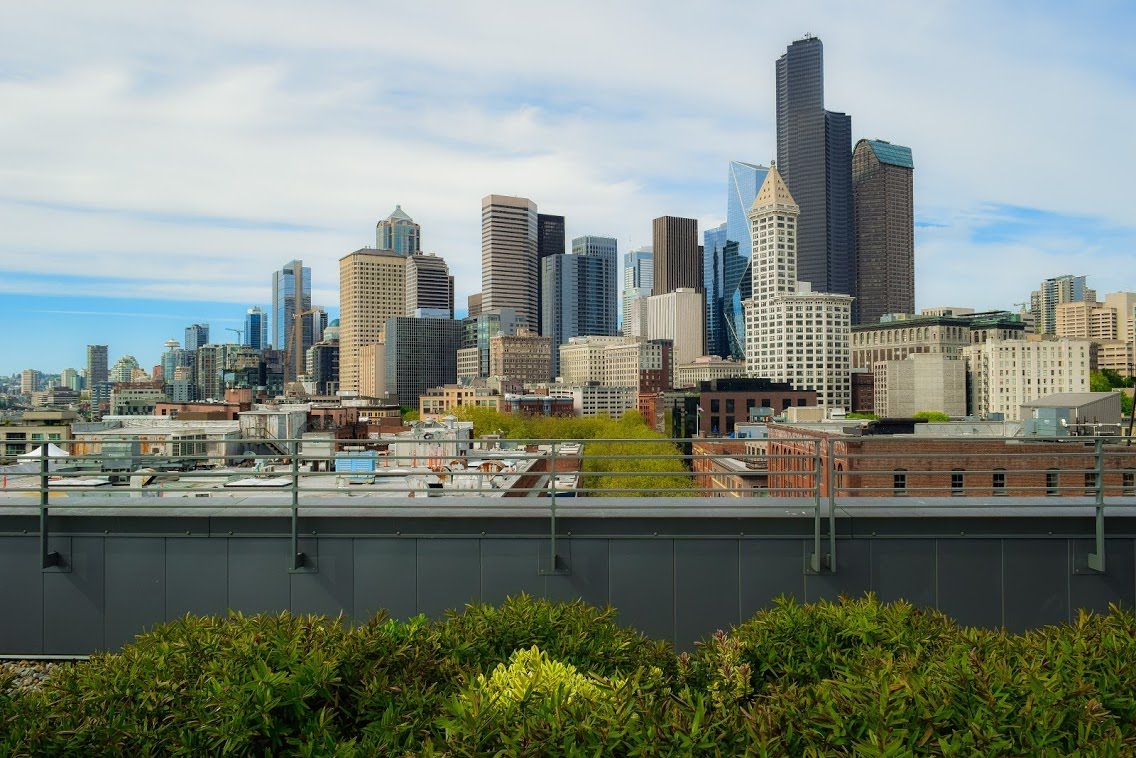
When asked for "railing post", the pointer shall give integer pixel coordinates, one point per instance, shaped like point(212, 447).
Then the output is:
point(815, 562)
point(297, 557)
point(1096, 560)
point(48, 558)
point(831, 505)
point(555, 566)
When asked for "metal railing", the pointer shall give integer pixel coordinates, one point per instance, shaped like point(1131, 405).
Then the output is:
point(819, 475)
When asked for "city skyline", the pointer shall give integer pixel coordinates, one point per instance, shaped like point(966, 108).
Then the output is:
point(147, 189)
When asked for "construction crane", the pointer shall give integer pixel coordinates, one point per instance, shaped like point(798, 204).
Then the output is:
point(240, 334)
point(295, 354)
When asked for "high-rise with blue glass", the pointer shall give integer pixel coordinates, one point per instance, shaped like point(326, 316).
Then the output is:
point(399, 233)
point(256, 329)
point(726, 259)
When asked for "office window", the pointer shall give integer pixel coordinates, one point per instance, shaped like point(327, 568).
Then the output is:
point(1128, 483)
point(899, 482)
point(999, 482)
point(957, 482)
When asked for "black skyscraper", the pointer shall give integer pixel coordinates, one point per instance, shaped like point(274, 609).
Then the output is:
point(814, 156)
point(549, 241)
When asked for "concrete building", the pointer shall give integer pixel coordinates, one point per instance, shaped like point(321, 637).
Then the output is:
point(920, 382)
point(438, 402)
point(1052, 292)
point(707, 368)
point(1086, 320)
point(371, 290)
point(814, 157)
point(1002, 375)
point(478, 331)
point(429, 287)
point(676, 255)
point(884, 218)
point(793, 334)
point(943, 330)
point(420, 353)
point(593, 399)
point(473, 305)
point(397, 233)
point(30, 381)
point(136, 399)
point(679, 316)
point(582, 359)
point(523, 357)
point(538, 405)
point(638, 278)
point(509, 256)
point(35, 428)
point(643, 365)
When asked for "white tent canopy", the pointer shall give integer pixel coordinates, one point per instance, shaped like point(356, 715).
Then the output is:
point(53, 451)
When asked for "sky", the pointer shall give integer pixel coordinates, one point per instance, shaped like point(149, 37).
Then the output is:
point(159, 161)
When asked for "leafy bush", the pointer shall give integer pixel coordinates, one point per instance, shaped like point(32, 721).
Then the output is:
point(854, 677)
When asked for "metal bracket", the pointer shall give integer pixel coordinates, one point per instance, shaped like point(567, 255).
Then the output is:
point(1096, 560)
point(820, 562)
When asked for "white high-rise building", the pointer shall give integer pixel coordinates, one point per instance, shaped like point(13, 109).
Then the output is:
point(1003, 374)
point(793, 334)
point(509, 270)
point(679, 316)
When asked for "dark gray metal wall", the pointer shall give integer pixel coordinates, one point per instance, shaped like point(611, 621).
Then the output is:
point(674, 576)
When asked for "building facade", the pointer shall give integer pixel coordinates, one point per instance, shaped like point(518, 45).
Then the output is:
point(256, 328)
point(707, 368)
point(638, 278)
point(549, 241)
point(508, 255)
point(736, 277)
point(398, 233)
point(420, 353)
point(643, 365)
point(523, 357)
point(793, 334)
point(678, 316)
point(1052, 292)
point(429, 287)
point(920, 382)
point(1004, 374)
point(894, 340)
point(814, 155)
point(291, 290)
point(371, 290)
point(884, 216)
point(676, 256)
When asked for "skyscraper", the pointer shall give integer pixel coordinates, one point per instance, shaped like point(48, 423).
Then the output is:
point(509, 256)
point(420, 353)
point(196, 335)
point(256, 329)
point(1060, 289)
point(742, 183)
point(429, 287)
point(885, 229)
point(549, 241)
point(579, 292)
point(372, 284)
point(713, 255)
point(792, 333)
point(677, 259)
point(638, 278)
point(97, 370)
point(398, 233)
point(814, 157)
point(284, 305)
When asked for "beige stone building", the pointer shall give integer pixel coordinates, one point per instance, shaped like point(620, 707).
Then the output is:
point(371, 290)
point(469, 364)
point(920, 382)
point(597, 399)
point(707, 368)
point(582, 359)
point(509, 270)
point(437, 402)
point(1004, 374)
point(524, 357)
point(372, 370)
point(937, 331)
point(679, 316)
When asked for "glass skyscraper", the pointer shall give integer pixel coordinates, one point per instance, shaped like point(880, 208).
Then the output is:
point(256, 329)
point(399, 233)
point(814, 156)
point(726, 256)
point(284, 303)
point(579, 296)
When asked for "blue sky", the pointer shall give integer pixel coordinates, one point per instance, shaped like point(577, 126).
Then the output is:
point(157, 163)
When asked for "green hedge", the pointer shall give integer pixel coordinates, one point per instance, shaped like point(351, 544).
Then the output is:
point(529, 677)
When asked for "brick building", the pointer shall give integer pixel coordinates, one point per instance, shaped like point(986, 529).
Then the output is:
point(728, 402)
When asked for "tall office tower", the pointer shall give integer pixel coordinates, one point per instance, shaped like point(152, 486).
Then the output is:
point(429, 287)
point(579, 292)
point(291, 293)
point(1060, 289)
point(814, 156)
point(323, 367)
point(477, 331)
point(742, 184)
point(125, 369)
point(97, 369)
point(256, 328)
point(599, 310)
point(638, 277)
point(713, 258)
point(508, 255)
point(549, 241)
point(473, 305)
point(398, 233)
point(884, 214)
point(420, 353)
point(196, 335)
point(677, 261)
point(792, 333)
point(173, 358)
point(371, 290)
point(30, 381)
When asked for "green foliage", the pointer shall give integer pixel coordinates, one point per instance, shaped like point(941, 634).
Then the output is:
point(409, 414)
point(1098, 382)
point(861, 416)
point(534, 678)
point(935, 417)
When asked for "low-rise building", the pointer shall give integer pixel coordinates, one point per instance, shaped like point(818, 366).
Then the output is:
point(724, 403)
point(438, 402)
point(594, 399)
point(920, 382)
point(1004, 374)
point(707, 368)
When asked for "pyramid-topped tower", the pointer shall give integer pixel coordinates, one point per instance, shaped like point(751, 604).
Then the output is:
point(398, 233)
